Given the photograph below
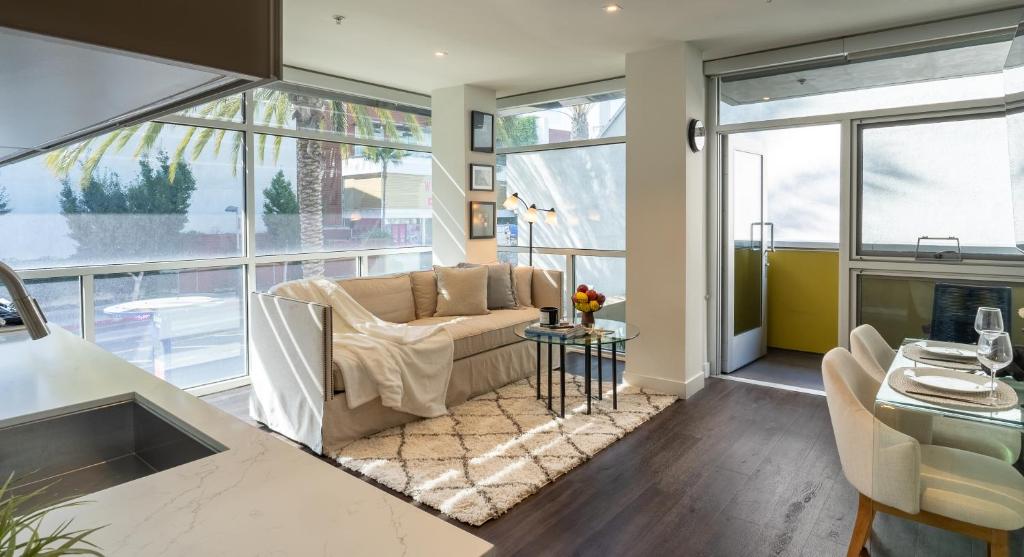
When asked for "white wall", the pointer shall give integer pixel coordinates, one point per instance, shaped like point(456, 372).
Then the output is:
point(450, 118)
point(665, 219)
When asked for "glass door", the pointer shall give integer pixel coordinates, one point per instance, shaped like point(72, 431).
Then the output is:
point(746, 262)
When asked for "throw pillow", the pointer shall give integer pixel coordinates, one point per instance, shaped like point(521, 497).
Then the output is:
point(388, 297)
point(461, 291)
point(424, 293)
point(522, 280)
point(500, 294)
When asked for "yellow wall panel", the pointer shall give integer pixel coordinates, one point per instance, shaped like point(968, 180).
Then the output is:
point(803, 300)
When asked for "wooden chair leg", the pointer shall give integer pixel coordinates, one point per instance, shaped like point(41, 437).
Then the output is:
point(861, 526)
point(999, 544)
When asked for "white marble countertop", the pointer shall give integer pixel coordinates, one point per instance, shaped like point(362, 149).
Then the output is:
point(259, 497)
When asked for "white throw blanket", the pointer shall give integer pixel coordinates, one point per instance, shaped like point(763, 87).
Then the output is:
point(407, 366)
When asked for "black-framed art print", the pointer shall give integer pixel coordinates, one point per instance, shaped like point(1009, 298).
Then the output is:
point(481, 219)
point(481, 177)
point(481, 132)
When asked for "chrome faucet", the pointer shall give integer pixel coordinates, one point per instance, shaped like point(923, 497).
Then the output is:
point(31, 316)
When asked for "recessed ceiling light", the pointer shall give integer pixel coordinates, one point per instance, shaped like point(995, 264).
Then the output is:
point(441, 53)
point(612, 8)
point(338, 19)
point(766, 98)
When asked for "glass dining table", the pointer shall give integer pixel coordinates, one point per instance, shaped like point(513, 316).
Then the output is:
point(889, 397)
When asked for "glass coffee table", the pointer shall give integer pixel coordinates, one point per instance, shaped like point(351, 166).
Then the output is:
point(605, 332)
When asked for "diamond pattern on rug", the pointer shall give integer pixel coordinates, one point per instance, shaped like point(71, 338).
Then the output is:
point(493, 451)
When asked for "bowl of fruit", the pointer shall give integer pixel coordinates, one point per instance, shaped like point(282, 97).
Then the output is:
point(587, 301)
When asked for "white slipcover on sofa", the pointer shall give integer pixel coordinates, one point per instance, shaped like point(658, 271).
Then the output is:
point(298, 391)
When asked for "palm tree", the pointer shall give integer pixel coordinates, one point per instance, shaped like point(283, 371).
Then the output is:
point(383, 156)
point(314, 160)
point(580, 125)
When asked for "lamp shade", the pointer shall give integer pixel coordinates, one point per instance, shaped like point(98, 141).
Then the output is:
point(551, 217)
point(531, 214)
point(511, 202)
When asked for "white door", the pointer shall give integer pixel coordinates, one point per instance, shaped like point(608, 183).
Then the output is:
point(745, 254)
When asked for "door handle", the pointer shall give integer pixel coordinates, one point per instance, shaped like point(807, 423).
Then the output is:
point(771, 234)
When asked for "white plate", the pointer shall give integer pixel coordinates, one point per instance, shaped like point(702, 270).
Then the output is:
point(949, 351)
point(953, 384)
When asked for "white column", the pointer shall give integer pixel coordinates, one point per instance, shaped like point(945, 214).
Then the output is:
point(665, 220)
point(450, 121)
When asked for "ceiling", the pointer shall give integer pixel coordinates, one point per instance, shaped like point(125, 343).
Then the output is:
point(530, 45)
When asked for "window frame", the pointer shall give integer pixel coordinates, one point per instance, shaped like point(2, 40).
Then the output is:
point(857, 245)
point(247, 260)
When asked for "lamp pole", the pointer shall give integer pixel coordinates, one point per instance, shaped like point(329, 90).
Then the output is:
point(513, 201)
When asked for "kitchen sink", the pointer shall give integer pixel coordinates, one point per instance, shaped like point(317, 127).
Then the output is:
point(85, 451)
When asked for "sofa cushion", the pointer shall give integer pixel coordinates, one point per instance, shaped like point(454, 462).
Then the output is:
point(388, 297)
point(480, 333)
point(424, 293)
point(500, 293)
point(522, 281)
point(472, 335)
point(461, 291)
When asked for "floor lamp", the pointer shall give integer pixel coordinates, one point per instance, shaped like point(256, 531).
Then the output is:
point(532, 213)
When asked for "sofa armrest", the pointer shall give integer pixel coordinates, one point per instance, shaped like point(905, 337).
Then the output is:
point(547, 288)
point(290, 366)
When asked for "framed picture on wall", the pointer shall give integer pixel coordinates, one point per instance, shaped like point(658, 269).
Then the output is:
point(481, 219)
point(481, 132)
point(481, 177)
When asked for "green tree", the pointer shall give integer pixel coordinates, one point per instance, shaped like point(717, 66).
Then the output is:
point(517, 130)
point(280, 207)
point(142, 220)
point(384, 156)
point(316, 162)
point(5, 201)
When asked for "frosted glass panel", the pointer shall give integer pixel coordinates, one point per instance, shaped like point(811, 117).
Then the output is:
point(587, 186)
point(936, 178)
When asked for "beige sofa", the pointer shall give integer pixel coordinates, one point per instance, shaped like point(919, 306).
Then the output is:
point(298, 391)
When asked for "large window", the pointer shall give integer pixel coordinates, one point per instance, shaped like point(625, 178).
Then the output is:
point(944, 74)
point(585, 185)
point(140, 240)
point(593, 117)
point(370, 197)
point(183, 326)
point(569, 155)
point(127, 197)
point(936, 178)
point(298, 108)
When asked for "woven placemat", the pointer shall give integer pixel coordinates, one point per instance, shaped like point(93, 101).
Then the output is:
point(916, 353)
point(1005, 399)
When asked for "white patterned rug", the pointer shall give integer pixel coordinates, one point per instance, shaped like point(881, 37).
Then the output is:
point(493, 451)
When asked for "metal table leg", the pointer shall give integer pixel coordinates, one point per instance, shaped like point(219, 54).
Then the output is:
point(586, 367)
point(600, 375)
point(549, 377)
point(615, 381)
point(538, 369)
point(561, 357)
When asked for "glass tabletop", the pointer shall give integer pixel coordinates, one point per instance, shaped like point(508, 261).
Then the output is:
point(891, 397)
point(606, 331)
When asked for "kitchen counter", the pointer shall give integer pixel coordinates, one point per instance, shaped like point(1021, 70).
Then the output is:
point(261, 496)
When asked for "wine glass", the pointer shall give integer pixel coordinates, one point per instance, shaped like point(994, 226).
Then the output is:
point(988, 320)
point(995, 351)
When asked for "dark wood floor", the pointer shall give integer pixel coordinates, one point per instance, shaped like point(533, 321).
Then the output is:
point(737, 470)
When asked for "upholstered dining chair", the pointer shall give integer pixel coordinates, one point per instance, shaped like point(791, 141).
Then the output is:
point(875, 356)
point(955, 490)
point(955, 306)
